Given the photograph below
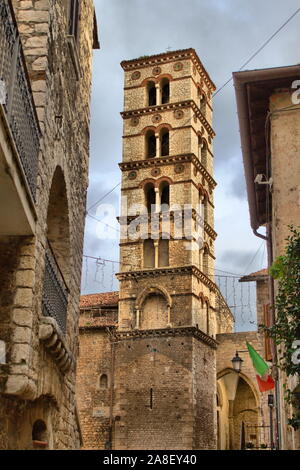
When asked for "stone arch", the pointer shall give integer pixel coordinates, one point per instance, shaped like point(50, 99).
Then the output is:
point(154, 288)
point(58, 224)
point(148, 128)
point(164, 125)
point(229, 370)
point(241, 404)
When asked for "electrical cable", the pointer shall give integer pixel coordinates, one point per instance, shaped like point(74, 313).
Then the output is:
point(259, 50)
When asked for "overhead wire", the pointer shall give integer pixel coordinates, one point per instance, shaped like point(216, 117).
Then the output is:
point(259, 50)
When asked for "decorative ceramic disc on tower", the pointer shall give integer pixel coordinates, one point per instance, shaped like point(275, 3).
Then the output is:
point(134, 121)
point(156, 118)
point(136, 75)
point(156, 71)
point(178, 66)
point(178, 114)
point(156, 172)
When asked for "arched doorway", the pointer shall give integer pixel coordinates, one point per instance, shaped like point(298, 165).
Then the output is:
point(238, 403)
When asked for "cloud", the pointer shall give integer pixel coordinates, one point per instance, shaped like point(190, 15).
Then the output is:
point(224, 33)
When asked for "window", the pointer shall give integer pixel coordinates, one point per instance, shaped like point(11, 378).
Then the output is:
point(163, 253)
point(39, 431)
point(149, 253)
point(150, 144)
point(103, 381)
point(165, 91)
point(207, 318)
point(205, 261)
point(74, 19)
point(164, 191)
point(204, 153)
point(149, 196)
point(151, 94)
point(203, 104)
point(164, 136)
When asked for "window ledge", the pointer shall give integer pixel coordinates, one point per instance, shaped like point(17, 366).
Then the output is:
point(74, 55)
point(41, 444)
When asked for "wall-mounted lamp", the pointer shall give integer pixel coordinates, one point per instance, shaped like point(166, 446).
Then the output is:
point(237, 362)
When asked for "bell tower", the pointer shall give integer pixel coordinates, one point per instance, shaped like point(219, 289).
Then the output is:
point(164, 386)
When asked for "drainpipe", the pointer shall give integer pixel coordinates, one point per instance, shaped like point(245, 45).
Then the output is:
point(111, 418)
point(268, 239)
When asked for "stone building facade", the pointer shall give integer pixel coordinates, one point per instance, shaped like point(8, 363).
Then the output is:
point(237, 398)
point(269, 116)
point(46, 66)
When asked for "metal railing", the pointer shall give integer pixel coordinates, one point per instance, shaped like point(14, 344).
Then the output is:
point(16, 97)
point(55, 295)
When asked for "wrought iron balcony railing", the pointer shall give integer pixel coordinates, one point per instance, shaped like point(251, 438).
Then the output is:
point(16, 97)
point(55, 295)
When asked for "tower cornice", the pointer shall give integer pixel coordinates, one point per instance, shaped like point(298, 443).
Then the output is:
point(170, 106)
point(164, 332)
point(165, 57)
point(161, 161)
point(180, 270)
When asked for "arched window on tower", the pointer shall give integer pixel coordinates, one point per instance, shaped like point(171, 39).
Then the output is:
point(103, 382)
point(149, 197)
point(151, 89)
point(205, 261)
point(202, 104)
point(207, 317)
point(165, 91)
point(201, 259)
point(205, 208)
point(150, 144)
point(164, 191)
point(163, 253)
point(203, 158)
point(164, 142)
point(149, 253)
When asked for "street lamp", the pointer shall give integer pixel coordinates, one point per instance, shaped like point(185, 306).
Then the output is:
point(237, 362)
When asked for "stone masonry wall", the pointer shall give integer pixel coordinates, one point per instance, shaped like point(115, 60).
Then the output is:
point(62, 96)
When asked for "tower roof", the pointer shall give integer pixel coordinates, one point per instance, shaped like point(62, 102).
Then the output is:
point(164, 57)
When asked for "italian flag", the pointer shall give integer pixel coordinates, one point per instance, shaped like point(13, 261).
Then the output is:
point(264, 379)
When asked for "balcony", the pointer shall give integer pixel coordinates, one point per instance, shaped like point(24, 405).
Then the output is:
point(19, 132)
point(55, 296)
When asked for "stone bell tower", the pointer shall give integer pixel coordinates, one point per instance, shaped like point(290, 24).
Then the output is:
point(164, 348)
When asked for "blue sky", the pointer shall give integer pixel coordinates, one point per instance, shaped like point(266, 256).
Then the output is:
point(225, 33)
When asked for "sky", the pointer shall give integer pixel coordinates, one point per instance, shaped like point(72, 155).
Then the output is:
point(225, 33)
